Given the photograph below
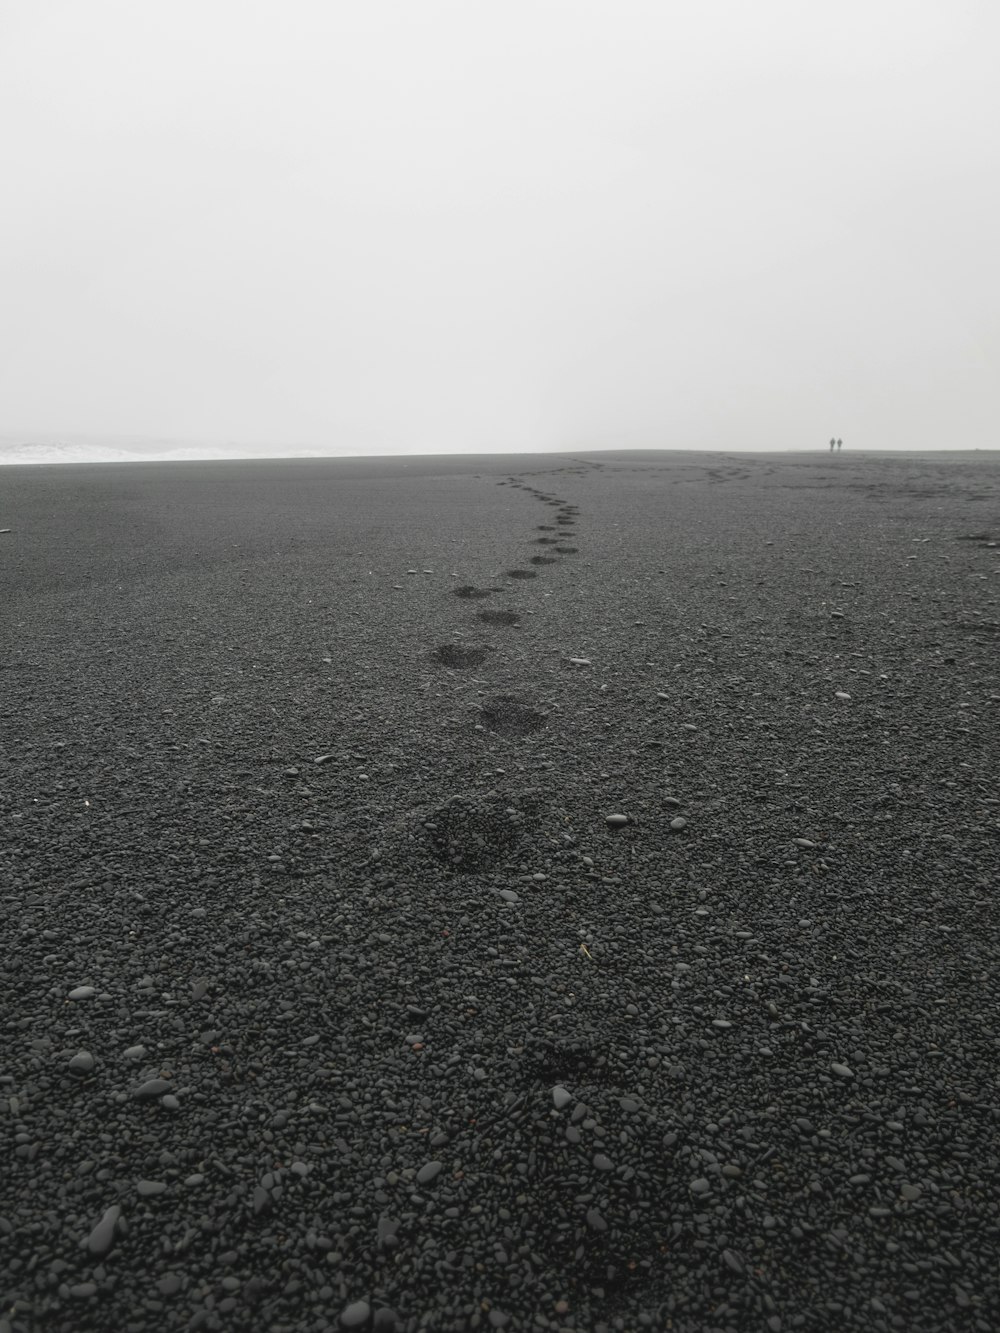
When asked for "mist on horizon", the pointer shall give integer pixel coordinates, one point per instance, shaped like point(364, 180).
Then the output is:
point(396, 228)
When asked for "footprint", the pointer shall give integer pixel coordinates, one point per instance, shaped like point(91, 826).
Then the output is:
point(476, 832)
point(521, 574)
point(567, 550)
point(546, 541)
point(453, 655)
point(469, 590)
point(507, 716)
point(499, 617)
point(544, 560)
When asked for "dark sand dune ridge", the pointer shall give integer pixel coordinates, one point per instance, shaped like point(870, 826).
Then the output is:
point(335, 995)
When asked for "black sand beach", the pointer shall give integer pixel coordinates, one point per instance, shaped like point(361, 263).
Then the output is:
point(331, 998)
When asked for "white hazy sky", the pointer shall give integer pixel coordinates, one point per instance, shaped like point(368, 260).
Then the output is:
point(431, 225)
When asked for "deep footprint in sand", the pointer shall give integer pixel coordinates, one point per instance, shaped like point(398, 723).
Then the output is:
point(459, 658)
point(567, 550)
point(521, 574)
point(544, 560)
point(499, 617)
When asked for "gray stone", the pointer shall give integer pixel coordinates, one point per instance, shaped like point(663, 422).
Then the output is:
point(356, 1315)
point(102, 1237)
point(428, 1172)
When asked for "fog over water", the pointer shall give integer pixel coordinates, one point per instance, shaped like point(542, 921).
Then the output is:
point(389, 226)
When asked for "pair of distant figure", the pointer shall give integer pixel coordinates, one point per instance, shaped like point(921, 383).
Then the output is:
point(835, 444)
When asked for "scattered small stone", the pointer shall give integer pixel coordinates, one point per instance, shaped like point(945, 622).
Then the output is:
point(82, 993)
point(82, 1063)
point(841, 1071)
point(561, 1096)
point(602, 1163)
point(616, 821)
point(428, 1172)
point(678, 823)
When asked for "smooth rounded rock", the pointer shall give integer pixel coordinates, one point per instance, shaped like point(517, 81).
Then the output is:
point(151, 1090)
point(102, 1237)
point(355, 1315)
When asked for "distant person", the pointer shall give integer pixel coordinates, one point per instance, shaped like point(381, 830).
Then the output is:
point(832, 445)
point(839, 443)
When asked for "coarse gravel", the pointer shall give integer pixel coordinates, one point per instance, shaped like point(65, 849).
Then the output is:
point(623, 956)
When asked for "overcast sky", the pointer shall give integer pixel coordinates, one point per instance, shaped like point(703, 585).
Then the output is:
point(430, 225)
